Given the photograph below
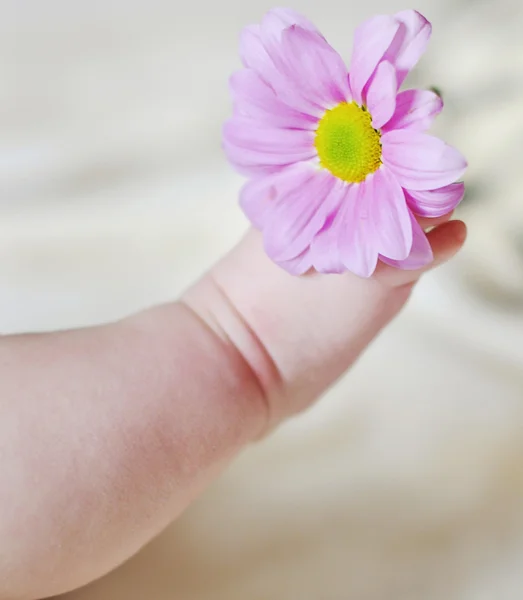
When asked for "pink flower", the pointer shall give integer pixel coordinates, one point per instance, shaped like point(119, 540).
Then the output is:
point(339, 161)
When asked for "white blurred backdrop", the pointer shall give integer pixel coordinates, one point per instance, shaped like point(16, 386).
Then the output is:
point(114, 195)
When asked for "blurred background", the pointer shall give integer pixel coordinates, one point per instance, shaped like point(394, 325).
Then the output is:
point(114, 195)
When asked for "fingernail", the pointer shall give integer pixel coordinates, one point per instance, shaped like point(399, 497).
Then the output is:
point(461, 234)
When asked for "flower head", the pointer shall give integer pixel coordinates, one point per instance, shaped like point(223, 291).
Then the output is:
point(338, 161)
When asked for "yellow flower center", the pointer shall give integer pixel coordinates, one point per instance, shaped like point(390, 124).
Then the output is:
point(347, 144)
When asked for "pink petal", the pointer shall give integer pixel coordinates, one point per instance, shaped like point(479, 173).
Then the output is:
point(381, 96)
point(279, 19)
point(296, 216)
point(254, 38)
point(435, 203)
point(420, 161)
point(249, 134)
point(357, 248)
point(245, 163)
point(255, 198)
point(390, 215)
point(299, 265)
point(252, 51)
point(252, 163)
point(315, 67)
point(410, 42)
point(420, 255)
point(258, 195)
point(415, 110)
point(371, 41)
point(325, 247)
point(255, 55)
point(254, 98)
point(265, 56)
point(347, 242)
point(292, 57)
point(310, 75)
point(249, 144)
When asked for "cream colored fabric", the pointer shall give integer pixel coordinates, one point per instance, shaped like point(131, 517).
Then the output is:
point(407, 480)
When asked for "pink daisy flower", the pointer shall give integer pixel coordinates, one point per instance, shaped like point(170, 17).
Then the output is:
point(338, 161)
